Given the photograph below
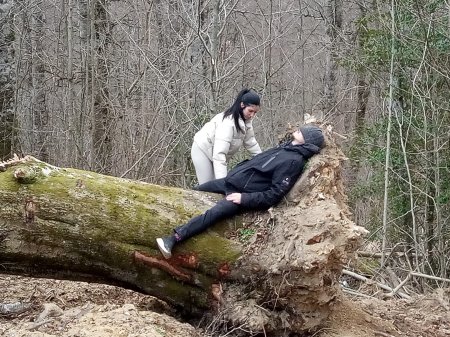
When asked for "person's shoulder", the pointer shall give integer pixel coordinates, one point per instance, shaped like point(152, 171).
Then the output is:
point(228, 120)
point(219, 120)
point(229, 117)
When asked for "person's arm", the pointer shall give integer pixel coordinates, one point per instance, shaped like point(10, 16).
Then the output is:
point(222, 142)
point(282, 181)
point(250, 142)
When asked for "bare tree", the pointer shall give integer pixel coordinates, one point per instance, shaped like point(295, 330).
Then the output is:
point(103, 118)
point(333, 16)
point(39, 111)
point(6, 79)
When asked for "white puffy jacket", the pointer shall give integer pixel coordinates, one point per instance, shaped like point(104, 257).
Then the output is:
point(220, 140)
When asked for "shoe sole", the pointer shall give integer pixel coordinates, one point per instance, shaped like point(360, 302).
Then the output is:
point(161, 247)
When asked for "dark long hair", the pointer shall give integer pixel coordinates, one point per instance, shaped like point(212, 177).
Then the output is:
point(246, 96)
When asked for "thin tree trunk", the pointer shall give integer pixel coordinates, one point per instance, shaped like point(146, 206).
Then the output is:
point(6, 80)
point(82, 118)
point(70, 113)
point(358, 123)
point(392, 83)
point(334, 24)
point(102, 113)
point(441, 245)
point(302, 64)
point(214, 54)
point(40, 113)
point(268, 73)
point(363, 88)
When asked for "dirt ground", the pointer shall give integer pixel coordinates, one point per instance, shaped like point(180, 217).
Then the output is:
point(79, 309)
point(422, 316)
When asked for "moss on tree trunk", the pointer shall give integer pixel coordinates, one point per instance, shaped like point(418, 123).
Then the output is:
point(59, 222)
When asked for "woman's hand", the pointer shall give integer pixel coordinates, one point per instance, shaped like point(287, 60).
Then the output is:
point(234, 197)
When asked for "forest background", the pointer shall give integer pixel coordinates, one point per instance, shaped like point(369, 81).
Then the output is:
point(121, 86)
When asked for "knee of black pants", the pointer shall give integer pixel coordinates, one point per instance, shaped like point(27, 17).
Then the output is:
point(213, 186)
point(224, 209)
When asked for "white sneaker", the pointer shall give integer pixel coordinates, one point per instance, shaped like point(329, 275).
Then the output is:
point(165, 246)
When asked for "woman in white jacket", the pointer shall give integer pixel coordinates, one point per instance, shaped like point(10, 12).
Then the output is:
point(220, 138)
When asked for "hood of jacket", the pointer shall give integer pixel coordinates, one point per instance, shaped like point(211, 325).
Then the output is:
point(306, 150)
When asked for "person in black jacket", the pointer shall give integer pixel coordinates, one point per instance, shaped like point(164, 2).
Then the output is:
point(255, 184)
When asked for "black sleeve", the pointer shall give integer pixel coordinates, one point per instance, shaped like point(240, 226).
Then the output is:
point(282, 181)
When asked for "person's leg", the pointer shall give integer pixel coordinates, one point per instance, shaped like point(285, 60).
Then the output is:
point(222, 210)
point(203, 166)
point(214, 186)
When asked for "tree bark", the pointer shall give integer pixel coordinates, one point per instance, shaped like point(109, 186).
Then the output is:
point(68, 223)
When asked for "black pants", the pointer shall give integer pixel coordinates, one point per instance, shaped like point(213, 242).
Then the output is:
point(216, 186)
point(222, 210)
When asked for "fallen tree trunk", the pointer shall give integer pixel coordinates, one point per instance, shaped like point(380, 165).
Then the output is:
point(66, 223)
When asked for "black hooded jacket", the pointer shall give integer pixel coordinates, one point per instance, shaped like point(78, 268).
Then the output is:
point(266, 178)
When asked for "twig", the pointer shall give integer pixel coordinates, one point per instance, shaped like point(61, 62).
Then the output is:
point(260, 307)
point(400, 285)
point(378, 255)
point(38, 324)
point(356, 293)
point(381, 333)
point(339, 135)
point(410, 274)
point(365, 279)
point(430, 277)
